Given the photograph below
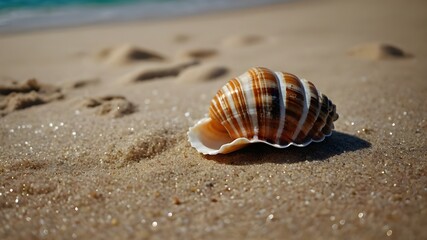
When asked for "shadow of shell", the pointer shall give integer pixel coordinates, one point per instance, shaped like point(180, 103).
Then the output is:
point(338, 143)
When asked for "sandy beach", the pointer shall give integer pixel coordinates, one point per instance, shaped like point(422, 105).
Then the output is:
point(94, 121)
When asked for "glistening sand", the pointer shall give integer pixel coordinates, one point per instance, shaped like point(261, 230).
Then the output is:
point(99, 150)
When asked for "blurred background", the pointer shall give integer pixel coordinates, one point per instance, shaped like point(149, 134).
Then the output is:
point(19, 15)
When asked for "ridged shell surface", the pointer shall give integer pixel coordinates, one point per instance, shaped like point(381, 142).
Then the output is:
point(276, 108)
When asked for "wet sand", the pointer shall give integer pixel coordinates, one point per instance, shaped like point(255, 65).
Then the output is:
point(93, 124)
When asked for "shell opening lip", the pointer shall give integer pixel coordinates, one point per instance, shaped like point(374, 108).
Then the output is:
point(220, 142)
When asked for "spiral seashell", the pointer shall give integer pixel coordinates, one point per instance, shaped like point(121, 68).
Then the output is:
point(276, 108)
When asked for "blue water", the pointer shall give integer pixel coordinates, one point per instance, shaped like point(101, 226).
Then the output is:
point(21, 15)
point(34, 4)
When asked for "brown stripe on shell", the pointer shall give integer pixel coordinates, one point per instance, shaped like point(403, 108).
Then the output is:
point(231, 119)
point(225, 112)
point(215, 110)
point(256, 89)
point(234, 115)
point(312, 115)
point(280, 130)
point(248, 124)
point(272, 110)
point(240, 104)
point(214, 113)
point(260, 101)
point(268, 104)
point(217, 125)
point(246, 80)
point(294, 104)
point(262, 104)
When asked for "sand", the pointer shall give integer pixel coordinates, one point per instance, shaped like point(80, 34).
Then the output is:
point(95, 147)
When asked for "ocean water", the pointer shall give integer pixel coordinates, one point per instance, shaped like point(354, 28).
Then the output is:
point(22, 15)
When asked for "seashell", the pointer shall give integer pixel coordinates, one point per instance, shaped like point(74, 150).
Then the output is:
point(262, 106)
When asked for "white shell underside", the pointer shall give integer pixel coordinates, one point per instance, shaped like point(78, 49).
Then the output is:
point(211, 142)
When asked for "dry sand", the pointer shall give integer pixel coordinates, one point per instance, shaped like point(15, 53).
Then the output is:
point(92, 150)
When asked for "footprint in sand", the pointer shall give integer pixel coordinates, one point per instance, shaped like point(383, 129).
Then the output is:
point(82, 83)
point(378, 51)
point(202, 73)
point(126, 54)
point(149, 146)
point(197, 53)
point(242, 40)
point(16, 96)
point(181, 38)
point(144, 146)
point(161, 71)
point(112, 106)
